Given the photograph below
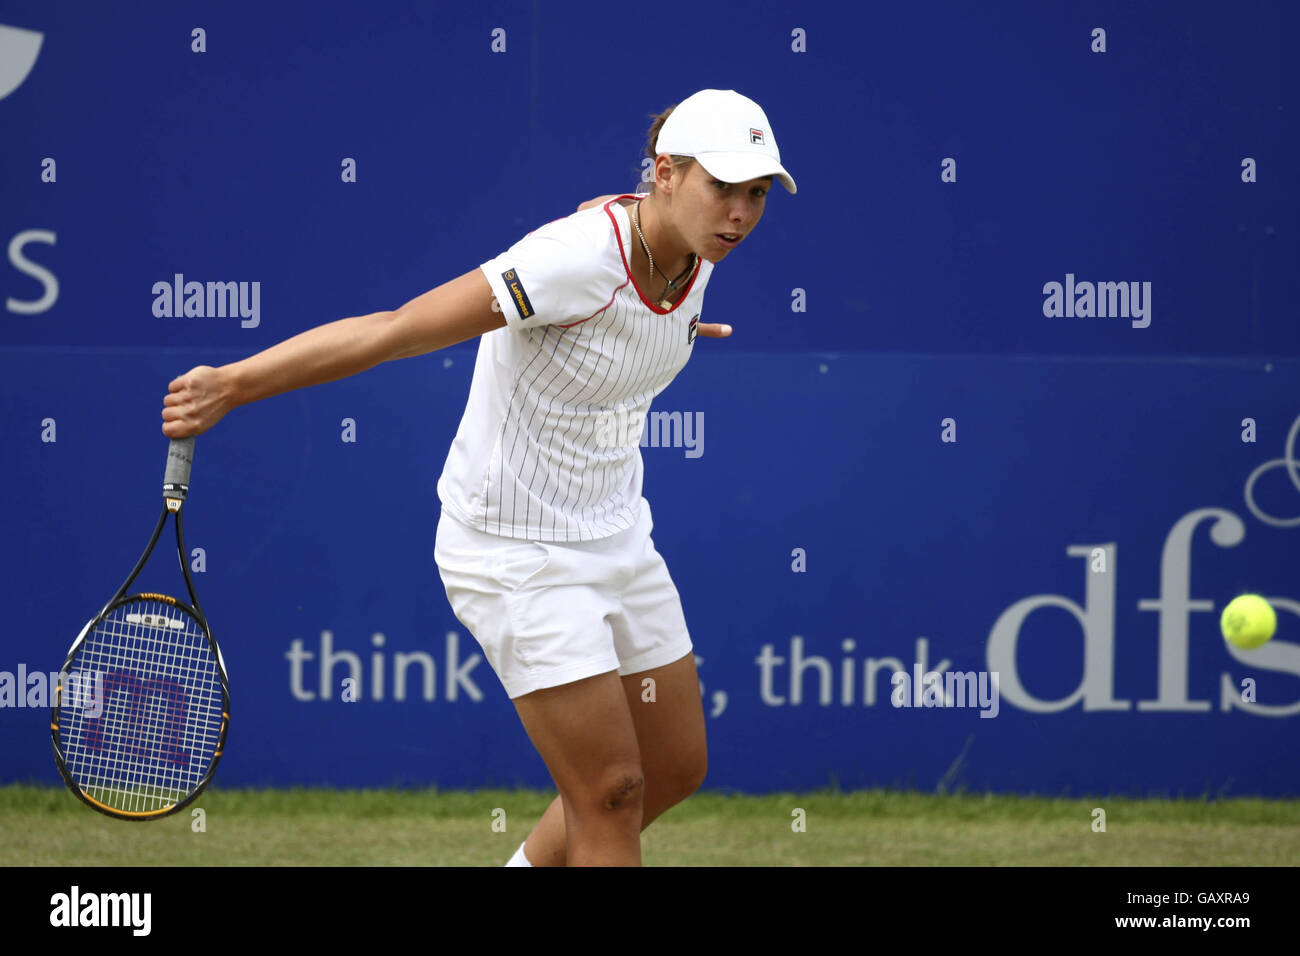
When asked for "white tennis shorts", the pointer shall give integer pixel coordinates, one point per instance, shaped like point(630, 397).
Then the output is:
point(548, 613)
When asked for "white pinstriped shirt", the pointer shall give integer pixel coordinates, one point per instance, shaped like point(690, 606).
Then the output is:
point(534, 456)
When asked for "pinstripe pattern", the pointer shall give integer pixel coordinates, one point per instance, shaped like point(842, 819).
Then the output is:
point(528, 460)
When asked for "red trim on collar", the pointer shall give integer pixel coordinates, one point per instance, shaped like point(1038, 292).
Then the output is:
point(618, 234)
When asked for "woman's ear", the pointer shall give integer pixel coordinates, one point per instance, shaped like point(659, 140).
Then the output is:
point(664, 173)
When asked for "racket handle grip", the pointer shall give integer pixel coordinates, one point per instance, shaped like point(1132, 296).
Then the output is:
point(176, 479)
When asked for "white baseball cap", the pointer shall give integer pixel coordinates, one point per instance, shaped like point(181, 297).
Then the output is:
point(728, 134)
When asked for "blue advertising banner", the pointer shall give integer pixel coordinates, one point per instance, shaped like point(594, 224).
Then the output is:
point(1009, 414)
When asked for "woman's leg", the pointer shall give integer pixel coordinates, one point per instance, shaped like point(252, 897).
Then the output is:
point(671, 740)
point(669, 733)
point(586, 736)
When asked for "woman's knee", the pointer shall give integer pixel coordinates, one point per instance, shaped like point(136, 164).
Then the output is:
point(616, 789)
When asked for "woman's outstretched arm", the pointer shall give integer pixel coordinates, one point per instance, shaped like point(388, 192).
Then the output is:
point(454, 312)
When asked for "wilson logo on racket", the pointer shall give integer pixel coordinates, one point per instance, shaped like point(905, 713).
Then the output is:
point(139, 736)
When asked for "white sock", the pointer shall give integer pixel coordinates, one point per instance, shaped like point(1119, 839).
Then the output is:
point(519, 859)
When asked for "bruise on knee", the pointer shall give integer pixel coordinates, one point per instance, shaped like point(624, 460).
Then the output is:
point(626, 787)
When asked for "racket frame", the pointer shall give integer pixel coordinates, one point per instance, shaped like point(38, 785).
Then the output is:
point(174, 499)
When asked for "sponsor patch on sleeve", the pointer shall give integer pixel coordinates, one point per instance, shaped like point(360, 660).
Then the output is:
point(517, 293)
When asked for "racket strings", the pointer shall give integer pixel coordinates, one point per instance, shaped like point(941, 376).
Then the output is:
point(144, 726)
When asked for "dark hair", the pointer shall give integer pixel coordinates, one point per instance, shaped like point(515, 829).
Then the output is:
point(679, 162)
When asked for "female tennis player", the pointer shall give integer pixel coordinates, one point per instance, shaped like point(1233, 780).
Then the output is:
point(544, 542)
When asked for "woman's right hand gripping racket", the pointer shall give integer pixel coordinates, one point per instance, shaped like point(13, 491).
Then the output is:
point(142, 705)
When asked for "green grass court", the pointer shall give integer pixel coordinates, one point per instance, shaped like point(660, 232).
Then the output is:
point(49, 826)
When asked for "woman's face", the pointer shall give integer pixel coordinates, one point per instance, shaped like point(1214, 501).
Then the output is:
point(707, 210)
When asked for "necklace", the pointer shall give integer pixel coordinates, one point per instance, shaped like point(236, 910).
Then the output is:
point(672, 283)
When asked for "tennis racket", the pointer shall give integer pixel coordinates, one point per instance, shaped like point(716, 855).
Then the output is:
point(142, 704)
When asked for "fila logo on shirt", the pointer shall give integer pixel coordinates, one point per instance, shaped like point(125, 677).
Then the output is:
point(690, 331)
point(756, 136)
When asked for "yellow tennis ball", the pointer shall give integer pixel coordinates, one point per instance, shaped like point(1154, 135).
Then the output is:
point(1248, 621)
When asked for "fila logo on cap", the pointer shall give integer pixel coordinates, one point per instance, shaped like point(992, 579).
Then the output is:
point(756, 136)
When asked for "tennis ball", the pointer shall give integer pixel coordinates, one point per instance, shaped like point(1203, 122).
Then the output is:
point(1248, 621)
